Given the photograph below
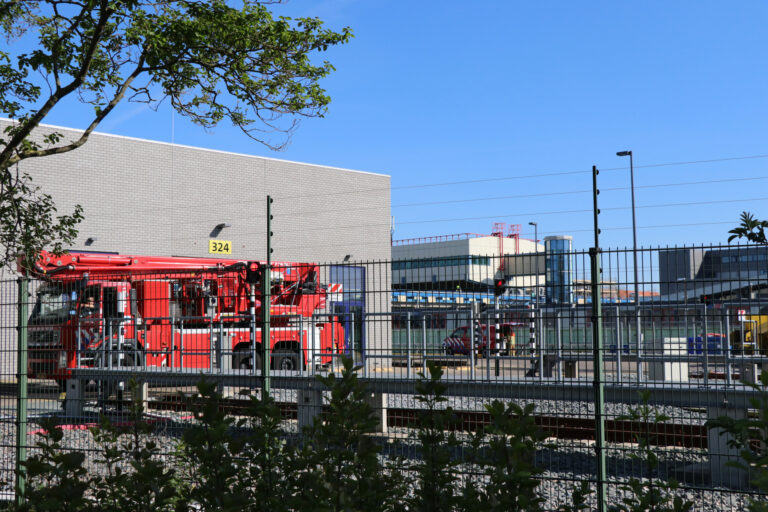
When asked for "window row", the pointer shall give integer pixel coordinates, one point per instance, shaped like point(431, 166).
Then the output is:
point(446, 261)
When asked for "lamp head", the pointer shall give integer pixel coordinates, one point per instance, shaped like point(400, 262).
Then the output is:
point(624, 153)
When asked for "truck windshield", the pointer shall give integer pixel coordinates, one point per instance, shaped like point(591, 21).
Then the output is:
point(53, 304)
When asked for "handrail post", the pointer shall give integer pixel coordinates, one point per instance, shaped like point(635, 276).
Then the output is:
point(559, 338)
point(424, 343)
point(705, 343)
point(472, 346)
point(211, 346)
point(78, 354)
point(408, 345)
point(727, 348)
point(312, 342)
point(181, 343)
point(488, 347)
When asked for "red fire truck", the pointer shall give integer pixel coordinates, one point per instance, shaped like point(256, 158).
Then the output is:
point(102, 310)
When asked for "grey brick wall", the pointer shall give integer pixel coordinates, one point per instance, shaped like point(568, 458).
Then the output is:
point(145, 197)
point(148, 197)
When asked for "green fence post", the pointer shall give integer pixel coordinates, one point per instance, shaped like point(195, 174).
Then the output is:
point(266, 303)
point(21, 397)
point(597, 353)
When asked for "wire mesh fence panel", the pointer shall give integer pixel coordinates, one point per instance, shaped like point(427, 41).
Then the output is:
point(681, 341)
point(9, 300)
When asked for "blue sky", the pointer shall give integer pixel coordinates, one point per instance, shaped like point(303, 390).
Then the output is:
point(522, 98)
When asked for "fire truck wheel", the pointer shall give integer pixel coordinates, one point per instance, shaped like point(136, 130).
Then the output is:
point(286, 360)
point(242, 360)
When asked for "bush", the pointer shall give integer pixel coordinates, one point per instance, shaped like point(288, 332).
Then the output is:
point(252, 462)
point(650, 493)
point(345, 470)
point(132, 473)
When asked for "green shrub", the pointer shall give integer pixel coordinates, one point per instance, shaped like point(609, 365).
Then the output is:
point(133, 474)
point(210, 456)
point(435, 486)
point(509, 459)
point(251, 462)
point(56, 477)
point(345, 470)
point(271, 476)
point(649, 494)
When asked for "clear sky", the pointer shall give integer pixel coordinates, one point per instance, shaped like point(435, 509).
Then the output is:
point(495, 111)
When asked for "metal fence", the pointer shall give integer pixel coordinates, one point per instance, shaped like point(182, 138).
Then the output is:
point(685, 332)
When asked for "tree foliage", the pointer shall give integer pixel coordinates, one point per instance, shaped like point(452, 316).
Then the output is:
point(751, 229)
point(29, 220)
point(210, 60)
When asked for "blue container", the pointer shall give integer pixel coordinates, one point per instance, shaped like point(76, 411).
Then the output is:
point(714, 345)
point(625, 348)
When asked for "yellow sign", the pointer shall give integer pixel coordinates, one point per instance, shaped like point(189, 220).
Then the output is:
point(219, 247)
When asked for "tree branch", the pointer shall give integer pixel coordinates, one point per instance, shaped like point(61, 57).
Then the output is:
point(63, 37)
point(125, 86)
point(32, 122)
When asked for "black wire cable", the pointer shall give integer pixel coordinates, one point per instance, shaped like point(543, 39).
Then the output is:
point(529, 176)
point(257, 202)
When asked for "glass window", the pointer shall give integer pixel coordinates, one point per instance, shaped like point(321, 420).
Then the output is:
point(352, 278)
point(55, 301)
point(458, 333)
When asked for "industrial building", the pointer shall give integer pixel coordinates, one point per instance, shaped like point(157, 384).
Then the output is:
point(468, 263)
point(437, 280)
point(155, 198)
point(704, 274)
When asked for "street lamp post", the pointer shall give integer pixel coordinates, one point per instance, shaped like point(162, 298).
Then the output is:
point(634, 224)
point(634, 259)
